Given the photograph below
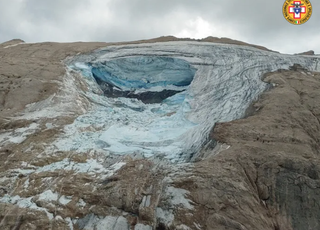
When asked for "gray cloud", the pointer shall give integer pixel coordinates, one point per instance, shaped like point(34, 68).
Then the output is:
point(258, 22)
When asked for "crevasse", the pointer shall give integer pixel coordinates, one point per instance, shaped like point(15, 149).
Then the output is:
point(208, 83)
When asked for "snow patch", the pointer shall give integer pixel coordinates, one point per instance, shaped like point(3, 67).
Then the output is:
point(142, 227)
point(198, 226)
point(81, 203)
point(58, 104)
point(69, 221)
point(103, 223)
point(64, 200)
point(26, 184)
point(183, 227)
point(164, 216)
point(24, 203)
point(9, 46)
point(91, 166)
point(18, 135)
point(17, 140)
point(59, 218)
point(177, 197)
point(48, 196)
point(4, 136)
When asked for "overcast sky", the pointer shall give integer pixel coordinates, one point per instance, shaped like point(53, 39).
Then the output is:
point(253, 21)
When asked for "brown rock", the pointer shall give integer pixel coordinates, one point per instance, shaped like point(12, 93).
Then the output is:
point(310, 52)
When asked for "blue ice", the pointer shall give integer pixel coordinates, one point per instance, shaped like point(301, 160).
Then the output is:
point(144, 72)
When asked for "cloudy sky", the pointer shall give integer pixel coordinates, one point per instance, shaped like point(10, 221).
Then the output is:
point(253, 21)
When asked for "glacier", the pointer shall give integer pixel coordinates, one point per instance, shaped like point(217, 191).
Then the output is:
point(148, 78)
point(195, 85)
point(144, 72)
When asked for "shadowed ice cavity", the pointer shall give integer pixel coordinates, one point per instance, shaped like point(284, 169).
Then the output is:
point(210, 83)
point(149, 79)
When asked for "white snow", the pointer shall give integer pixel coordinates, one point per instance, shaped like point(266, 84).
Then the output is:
point(68, 101)
point(165, 216)
point(24, 203)
point(59, 218)
point(48, 196)
point(24, 172)
point(28, 202)
point(4, 136)
point(70, 224)
point(17, 140)
point(18, 135)
point(142, 227)
point(198, 226)
point(177, 197)
point(183, 227)
point(64, 200)
point(26, 184)
point(49, 125)
point(9, 46)
point(106, 223)
point(91, 166)
point(81, 203)
point(31, 126)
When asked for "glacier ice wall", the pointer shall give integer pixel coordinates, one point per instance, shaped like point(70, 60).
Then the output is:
point(213, 83)
point(144, 72)
point(149, 79)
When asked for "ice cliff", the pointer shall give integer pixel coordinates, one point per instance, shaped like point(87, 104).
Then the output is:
point(162, 99)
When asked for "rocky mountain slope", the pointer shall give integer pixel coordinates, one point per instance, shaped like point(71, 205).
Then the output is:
point(228, 141)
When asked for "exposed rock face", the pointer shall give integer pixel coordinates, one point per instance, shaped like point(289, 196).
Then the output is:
point(259, 172)
point(280, 140)
point(310, 52)
point(11, 43)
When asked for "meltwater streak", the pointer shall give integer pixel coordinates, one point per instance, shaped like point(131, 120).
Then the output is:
point(227, 80)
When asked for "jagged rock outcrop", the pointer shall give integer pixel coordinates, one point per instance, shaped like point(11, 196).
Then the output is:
point(258, 172)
